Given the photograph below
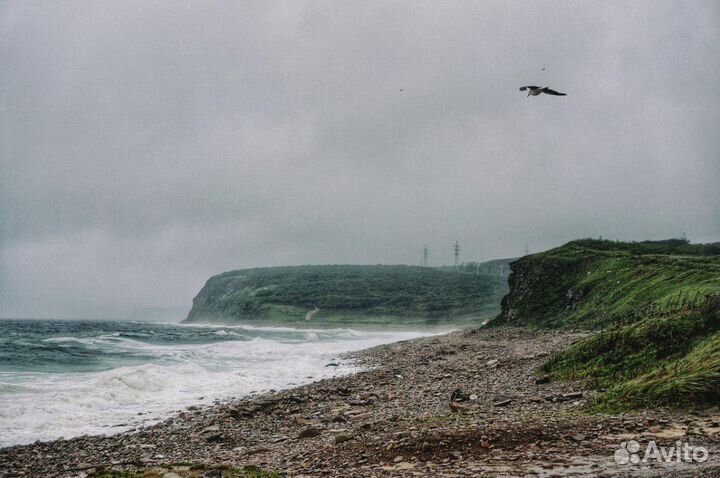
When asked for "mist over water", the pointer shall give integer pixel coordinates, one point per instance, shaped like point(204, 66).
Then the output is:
point(68, 378)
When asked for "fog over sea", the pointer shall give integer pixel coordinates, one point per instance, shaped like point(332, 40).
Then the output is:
point(63, 378)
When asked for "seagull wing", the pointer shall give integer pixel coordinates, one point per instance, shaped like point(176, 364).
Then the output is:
point(553, 92)
point(523, 88)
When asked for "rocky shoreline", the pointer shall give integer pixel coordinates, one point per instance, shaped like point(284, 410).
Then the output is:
point(464, 404)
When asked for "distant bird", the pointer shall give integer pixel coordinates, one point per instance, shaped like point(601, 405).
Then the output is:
point(536, 90)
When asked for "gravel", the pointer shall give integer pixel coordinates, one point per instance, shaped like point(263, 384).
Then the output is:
point(469, 403)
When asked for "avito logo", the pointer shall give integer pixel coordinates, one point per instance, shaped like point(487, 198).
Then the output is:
point(629, 453)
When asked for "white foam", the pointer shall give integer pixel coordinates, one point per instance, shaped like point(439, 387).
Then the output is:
point(47, 406)
point(311, 336)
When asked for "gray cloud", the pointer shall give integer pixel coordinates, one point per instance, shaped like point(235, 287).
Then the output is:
point(147, 145)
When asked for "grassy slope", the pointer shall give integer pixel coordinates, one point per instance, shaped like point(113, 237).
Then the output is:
point(658, 313)
point(367, 294)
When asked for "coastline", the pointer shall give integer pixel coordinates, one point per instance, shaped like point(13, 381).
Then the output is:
point(396, 418)
point(106, 378)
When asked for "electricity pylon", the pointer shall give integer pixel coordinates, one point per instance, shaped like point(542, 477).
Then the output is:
point(456, 250)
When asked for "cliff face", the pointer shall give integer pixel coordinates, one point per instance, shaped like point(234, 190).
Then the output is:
point(658, 309)
point(577, 285)
point(544, 287)
point(339, 293)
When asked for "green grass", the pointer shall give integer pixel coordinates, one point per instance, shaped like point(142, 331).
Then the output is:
point(251, 471)
point(690, 379)
point(678, 247)
point(577, 287)
point(655, 313)
point(655, 361)
point(693, 379)
point(348, 294)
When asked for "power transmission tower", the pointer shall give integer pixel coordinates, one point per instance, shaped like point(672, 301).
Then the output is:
point(426, 254)
point(456, 250)
point(527, 250)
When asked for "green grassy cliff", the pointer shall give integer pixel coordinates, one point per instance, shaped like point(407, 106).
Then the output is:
point(585, 286)
point(654, 307)
point(342, 294)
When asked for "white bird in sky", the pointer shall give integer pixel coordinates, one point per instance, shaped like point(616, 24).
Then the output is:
point(536, 90)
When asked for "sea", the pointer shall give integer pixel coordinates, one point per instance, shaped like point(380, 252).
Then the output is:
point(65, 378)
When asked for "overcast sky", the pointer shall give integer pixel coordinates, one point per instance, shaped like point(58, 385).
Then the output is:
point(145, 146)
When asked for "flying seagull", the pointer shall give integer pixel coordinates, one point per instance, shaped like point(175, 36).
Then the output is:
point(536, 90)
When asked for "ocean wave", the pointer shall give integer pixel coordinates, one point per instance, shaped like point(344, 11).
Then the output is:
point(55, 340)
point(162, 378)
point(273, 328)
point(13, 388)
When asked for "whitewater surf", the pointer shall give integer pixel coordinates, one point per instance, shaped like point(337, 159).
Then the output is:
point(69, 378)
